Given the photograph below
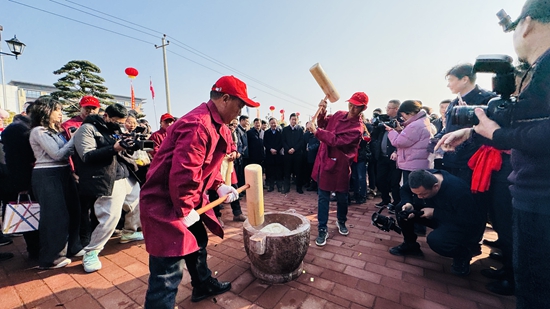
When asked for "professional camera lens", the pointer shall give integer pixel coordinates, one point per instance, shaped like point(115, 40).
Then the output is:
point(465, 115)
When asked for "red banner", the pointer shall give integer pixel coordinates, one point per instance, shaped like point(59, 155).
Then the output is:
point(133, 98)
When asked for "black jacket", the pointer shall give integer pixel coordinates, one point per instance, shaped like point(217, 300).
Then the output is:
point(293, 139)
point(463, 153)
point(18, 154)
point(98, 164)
point(272, 141)
point(312, 146)
point(255, 145)
point(377, 136)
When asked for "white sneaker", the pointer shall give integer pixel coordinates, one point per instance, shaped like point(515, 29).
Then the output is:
point(91, 261)
point(126, 238)
point(80, 253)
point(63, 263)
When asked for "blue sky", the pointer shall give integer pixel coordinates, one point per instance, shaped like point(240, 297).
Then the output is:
point(388, 49)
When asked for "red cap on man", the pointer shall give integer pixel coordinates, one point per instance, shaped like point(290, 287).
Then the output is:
point(89, 101)
point(235, 87)
point(359, 99)
point(166, 116)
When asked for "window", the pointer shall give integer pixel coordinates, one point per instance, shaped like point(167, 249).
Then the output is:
point(32, 94)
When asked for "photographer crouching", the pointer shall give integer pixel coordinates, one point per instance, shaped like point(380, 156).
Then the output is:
point(526, 134)
point(444, 202)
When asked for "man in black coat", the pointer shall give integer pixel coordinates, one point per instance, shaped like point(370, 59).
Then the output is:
point(461, 81)
point(388, 175)
point(293, 144)
point(273, 163)
point(450, 209)
point(255, 143)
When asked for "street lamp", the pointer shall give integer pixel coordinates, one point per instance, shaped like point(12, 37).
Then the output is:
point(16, 48)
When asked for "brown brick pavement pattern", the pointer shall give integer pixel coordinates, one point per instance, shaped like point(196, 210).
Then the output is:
point(349, 272)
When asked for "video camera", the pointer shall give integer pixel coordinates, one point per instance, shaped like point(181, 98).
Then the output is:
point(384, 119)
point(136, 140)
point(504, 84)
point(387, 224)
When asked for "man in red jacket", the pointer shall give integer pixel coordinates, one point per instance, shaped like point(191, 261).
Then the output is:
point(89, 105)
point(185, 167)
point(166, 120)
point(339, 135)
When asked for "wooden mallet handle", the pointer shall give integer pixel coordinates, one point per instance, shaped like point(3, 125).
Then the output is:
point(220, 200)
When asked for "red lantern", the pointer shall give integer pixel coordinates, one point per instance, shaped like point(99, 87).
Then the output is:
point(298, 114)
point(272, 108)
point(131, 72)
point(282, 111)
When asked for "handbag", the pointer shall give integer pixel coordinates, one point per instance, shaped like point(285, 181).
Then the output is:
point(21, 216)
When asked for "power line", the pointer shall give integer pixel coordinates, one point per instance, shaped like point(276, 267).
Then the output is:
point(184, 46)
point(250, 86)
point(81, 22)
point(178, 44)
point(103, 18)
point(132, 23)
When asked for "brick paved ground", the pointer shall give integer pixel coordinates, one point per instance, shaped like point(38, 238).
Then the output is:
point(349, 272)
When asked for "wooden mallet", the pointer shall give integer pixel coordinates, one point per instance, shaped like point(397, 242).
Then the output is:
point(326, 85)
point(220, 200)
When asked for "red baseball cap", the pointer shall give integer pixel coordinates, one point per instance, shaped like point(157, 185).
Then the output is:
point(89, 101)
point(166, 117)
point(359, 99)
point(235, 87)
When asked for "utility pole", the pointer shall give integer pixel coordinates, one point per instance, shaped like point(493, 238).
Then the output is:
point(166, 86)
point(4, 97)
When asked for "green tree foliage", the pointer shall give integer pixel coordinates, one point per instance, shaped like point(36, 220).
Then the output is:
point(80, 78)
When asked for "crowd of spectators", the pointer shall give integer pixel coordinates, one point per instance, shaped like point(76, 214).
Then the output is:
point(87, 174)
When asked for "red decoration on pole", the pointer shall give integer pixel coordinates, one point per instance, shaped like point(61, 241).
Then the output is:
point(282, 111)
point(131, 72)
point(298, 114)
point(272, 108)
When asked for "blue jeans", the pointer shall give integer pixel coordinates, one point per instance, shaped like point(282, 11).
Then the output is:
point(531, 242)
point(167, 272)
point(323, 206)
point(359, 176)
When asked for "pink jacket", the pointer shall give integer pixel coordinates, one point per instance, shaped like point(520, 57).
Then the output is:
point(186, 165)
point(339, 139)
point(412, 143)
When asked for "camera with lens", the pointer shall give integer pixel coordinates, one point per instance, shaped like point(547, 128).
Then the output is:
point(385, 223)
point(136, 140)
point(499, 109)
point(404, 214)
point(385, 119)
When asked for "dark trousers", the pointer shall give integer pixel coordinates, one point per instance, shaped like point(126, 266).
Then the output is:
point(292, 165)
point(323, 208)
point(166, 272)
point(359, 177)
point(388, 177)
point(239, 165)
point(446, 239)
point(274, 175)
point(87, 223)
point(531, 251)
point(55, 191)
point(371, 170)
point(500, 213)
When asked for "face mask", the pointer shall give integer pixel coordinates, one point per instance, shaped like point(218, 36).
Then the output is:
point(113, 126)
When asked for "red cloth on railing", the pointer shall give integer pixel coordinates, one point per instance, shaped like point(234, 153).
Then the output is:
point(486, 160)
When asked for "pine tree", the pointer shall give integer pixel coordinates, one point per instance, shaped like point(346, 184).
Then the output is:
point(81, 79)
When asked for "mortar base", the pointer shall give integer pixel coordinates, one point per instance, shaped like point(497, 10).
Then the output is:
point(277, 278)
